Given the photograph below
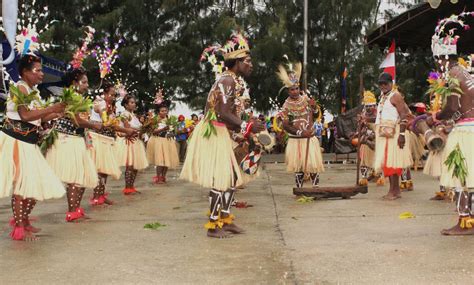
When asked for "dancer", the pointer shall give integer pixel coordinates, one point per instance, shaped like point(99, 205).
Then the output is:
point(133, 154)
point(103, 148)
point(161, 150)
point(68, 156)
point(459, 108)
point(367, 141)
point(433, 166)
point(25, 175)
point(210, 161)
point(392, 151)
point(303, 153)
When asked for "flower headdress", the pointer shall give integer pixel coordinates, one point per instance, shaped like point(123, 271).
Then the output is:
point(106, 56)
point(235, 48)
point(291, 74)
point(213, 56)
point(122, 83)
point(27, 41)
point(444, 40)
point(82, 52)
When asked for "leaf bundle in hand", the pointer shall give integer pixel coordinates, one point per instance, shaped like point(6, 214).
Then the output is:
point(20, 98)
point(75, 102)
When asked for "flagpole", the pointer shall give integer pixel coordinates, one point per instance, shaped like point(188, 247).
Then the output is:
point(305, 47)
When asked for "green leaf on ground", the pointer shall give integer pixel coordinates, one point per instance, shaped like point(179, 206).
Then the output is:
point(305, 199)
point(154, 226)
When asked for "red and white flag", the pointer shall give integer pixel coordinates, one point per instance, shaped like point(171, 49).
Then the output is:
point(388, 64)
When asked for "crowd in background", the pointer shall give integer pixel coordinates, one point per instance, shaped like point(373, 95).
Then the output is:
point(325, 132)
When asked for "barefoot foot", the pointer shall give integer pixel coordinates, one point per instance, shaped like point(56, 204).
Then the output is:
point(391, 197)
point(457, 231)
point(217, 233)
point(438, 197)
point(29, 236)
point(32, 229)
point(233, 228)
point(108, 202)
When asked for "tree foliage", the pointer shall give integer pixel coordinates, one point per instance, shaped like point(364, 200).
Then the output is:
point(164, 40)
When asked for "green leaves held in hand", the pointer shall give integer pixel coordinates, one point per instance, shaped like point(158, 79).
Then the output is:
point(209, 128)
point(20, 98)
point(49, 140)
point(444, 89)
point(75, 102)
point(154, 226)
point(456, 162)
point(172, 122)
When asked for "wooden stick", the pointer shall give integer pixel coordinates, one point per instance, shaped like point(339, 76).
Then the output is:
point(307, 154)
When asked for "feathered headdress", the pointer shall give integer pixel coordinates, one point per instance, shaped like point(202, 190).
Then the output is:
point(214, 56)
point(369, 99)
point(444, 41)
point(235, 48)
point(82, 52)
point(291, 74)
point(106, 56)
point(27, 41)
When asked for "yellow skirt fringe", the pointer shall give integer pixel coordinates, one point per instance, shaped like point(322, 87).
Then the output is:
point(210, 162)
point(417, 145)
point(433, 164)
point(295, 156)
point(104, 155)
point(25, 172)
point(131, 153)
point(367, 156)
point(396, 157)
point(462, 134)
point(162, 152)
point(71, 161)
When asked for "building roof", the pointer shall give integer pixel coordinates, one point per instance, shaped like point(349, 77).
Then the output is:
point(415, 27)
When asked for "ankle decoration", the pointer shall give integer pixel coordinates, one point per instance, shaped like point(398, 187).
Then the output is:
point(466, 222)
point(363, 182)
point(212, 225)
point(381, 181)
point(18, 233)
point(228, 220)
point(99, 201)
point(72, 216)
point(129, 191)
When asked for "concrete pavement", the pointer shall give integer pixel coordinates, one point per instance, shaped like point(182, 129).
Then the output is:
point(356, 241)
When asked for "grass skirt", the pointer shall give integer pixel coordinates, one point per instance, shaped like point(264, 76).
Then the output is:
point(162, 152)
point(131, 153)
point(462, 134)
point(104, 155)
point(71, 161)
point(388, 154)
point(25, 172)
point(295, 155)
point(434, 164)
point(210, 162)
point(417, 145)
point(367, 156)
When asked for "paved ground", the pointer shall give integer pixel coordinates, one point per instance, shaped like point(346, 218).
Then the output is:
point(356, 241)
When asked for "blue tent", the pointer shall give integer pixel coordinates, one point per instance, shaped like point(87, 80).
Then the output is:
point(53, 72)
point(53, 69)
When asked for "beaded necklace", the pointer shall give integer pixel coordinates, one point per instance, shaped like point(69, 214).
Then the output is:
point(297, 108)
